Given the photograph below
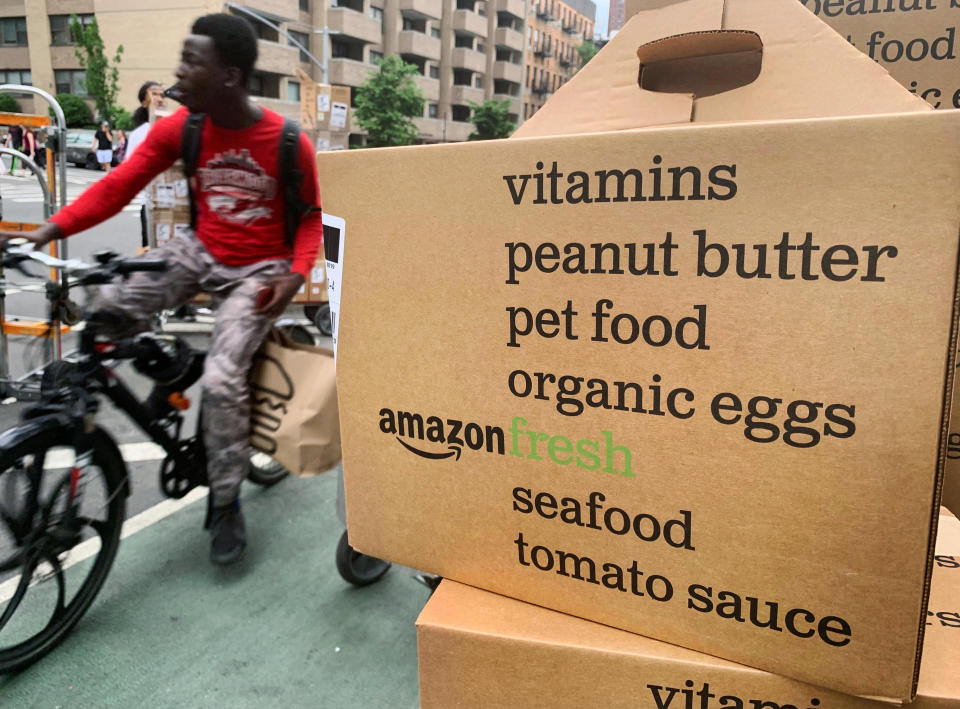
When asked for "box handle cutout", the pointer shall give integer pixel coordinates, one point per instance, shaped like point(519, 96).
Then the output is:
point(700, 63)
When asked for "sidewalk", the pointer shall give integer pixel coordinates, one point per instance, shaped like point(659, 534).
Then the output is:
point(278, 629)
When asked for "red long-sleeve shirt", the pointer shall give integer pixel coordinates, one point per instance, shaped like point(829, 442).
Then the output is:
point(237, 190)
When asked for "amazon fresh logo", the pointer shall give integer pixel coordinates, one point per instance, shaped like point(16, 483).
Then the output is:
point(442, 438)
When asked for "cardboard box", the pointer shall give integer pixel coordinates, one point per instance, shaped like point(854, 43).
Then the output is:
point(328, 140)
point(917, 41)
point(323, 107)
point(478, 650)
point(726, 441)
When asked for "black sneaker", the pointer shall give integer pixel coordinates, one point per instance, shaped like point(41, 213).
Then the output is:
point(229, 534)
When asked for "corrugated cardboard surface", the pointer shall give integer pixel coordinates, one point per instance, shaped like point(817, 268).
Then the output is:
point(808, 70)
point(426, 331)
point(484, 651)
point(917, 41)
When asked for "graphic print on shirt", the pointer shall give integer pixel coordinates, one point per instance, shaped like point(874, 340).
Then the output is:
point(236, 188)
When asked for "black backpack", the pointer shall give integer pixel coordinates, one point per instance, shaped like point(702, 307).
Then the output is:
point(291, 176)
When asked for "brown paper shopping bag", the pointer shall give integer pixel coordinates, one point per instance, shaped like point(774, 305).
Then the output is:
point(293, 415)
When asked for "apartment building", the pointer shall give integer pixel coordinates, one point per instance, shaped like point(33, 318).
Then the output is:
point(465, 50)
point(555, 28)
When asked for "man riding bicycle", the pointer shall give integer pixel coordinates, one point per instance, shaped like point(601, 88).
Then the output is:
point(238, 252)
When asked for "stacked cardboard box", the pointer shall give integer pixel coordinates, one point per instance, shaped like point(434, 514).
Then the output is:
point(169, 199)
point(690, 380)
point(325, 113)
point(479, 650)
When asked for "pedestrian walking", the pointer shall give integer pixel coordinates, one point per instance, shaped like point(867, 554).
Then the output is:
point(150, 97)
point(121, 147)
point(103, 145)
point(14, 140)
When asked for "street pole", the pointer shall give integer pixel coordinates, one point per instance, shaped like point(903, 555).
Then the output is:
point(326, 32)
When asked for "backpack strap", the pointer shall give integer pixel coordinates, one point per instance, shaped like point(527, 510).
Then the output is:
point(189, 152)
point(292, 178)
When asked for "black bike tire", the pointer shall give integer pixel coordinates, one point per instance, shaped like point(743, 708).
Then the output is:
point(107, 458)
point(265, 474)
point(356, 568)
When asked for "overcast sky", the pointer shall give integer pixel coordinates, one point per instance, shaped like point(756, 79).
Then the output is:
point(603, 12)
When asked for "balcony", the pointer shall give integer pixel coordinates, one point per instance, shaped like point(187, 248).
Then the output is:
point(543, 52)
point(348, 72)
point(286, 9)
point(426, 9)
point(469, 59)
point(458, 131)
point(419, 44)
point(429, 87)
point(462, 95)
point(287, 109)
point(540, 89)
point(429, 129)
point(565, 62)
point(511, 39)
point(512, 7)
point(469, 22)
point(277, 58)
point(352, 24)
point(508, 72)
point(543, 13)
point(570, 28)
point(516, 105)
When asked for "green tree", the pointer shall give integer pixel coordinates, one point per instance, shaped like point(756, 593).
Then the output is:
point(123, 119)
point(102, 73)
point(8, 104)
point(75, 110)
point(491, 119)
point(587, 51)
point(386, 103)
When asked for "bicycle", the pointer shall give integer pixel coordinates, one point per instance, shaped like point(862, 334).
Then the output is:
point(63, 481)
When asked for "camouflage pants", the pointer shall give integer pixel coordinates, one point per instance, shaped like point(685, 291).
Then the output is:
point(237, 334)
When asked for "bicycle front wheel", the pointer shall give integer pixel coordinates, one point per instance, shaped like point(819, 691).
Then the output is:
point(50, 571)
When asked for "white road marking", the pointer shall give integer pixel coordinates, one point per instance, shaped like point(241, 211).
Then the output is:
point(86, 549)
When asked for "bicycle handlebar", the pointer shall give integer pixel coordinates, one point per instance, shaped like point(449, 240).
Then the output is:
point(86, 273)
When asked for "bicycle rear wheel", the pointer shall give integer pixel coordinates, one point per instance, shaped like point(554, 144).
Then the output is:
point(49, 575)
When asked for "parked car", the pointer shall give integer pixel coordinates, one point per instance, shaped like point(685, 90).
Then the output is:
point(79, 149)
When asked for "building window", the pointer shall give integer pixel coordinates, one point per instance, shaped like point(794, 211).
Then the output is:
point(266, 33)
point(71, 81)
point(464, 41)
point(256, 85)
point(376, 57)
point(304, 39)
point(478, 82)
point(305, 5)
point(435, 32)
point(13, 32)
point(481, 47)
point(293, 91)
point(434, 71)
point(433, 110)
point(16, 76)
point(60, 33)
point(376, 13)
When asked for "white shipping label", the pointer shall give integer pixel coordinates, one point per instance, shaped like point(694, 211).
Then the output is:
point(338, 115)
point(165, 196)
point(317, 274)
point(181, 230)
point(333, 232)
point(323, 103)
point(163, 233)
point(180, 189)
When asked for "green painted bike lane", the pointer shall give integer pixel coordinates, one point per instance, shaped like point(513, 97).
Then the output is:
point(278, 629)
